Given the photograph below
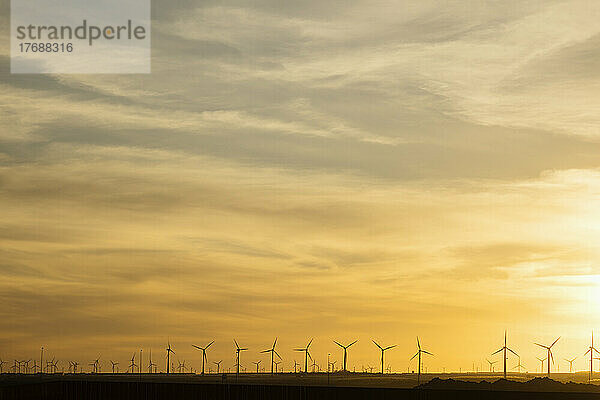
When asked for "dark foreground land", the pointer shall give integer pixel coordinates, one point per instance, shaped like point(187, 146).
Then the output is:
point(161, 387)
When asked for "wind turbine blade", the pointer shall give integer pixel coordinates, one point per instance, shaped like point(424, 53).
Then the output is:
point(553, 343)
point(352, 343)
point(426, 352)
point(418, 344)
point(512, 352)
point(266, 351)
point(416, 354)
point(376, 344)
point(590, 349)
point(541, 345)
point(309, 356)
point(198, 347)
point(299, 349)
point(338, 344)
point(274, 343)
point(389, 347)
point(498, 351)
point(275, 351)
point(309, 343)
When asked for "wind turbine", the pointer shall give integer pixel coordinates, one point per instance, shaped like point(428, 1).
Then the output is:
point(314, 365)
point(549, 349)
point(591, 350)
point(133, 364)
point(169, 351)
point(541, 360)
point(151, 364)
point(26, 365)
point(218, 364)
point(273, 352)
point(95, 364)
point(491, 364)
point(345, 351)
point(237, 356)
point(114, 364)
point(257, 363)
point(519, 366)
point(383, 349)
point(203, 353)
point(570, 363)
point(276, 365)
point(418, 353)
point(503, 349)
point(332, 365)
point(295, 366)
point(306, 356)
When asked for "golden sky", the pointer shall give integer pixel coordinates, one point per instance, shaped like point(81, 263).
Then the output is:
point(337, 170)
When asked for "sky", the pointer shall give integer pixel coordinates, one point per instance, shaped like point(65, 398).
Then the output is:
point(339, 170)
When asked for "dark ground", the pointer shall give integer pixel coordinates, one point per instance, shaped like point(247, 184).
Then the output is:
point(283, 387)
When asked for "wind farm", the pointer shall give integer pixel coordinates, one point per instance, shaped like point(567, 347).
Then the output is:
point(288, 373)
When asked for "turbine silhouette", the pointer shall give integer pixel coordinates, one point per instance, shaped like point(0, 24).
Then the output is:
point(383, 349)
point(549, 356)
point(519, 366)
point(169, 351)
point(203, 353)
point(273, 352)
point(257, 363)
point(114, 364)
point(541, 360)
point(306, 355)
point(238, 349)
point(418, 353)
point(345, 351)
point(570, 363)
point(504, 349)
point(591, 350)
point(133, 364)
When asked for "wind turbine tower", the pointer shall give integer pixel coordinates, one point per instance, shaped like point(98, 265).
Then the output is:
point(306, 355)
point(549, 356)
point(238, 349)
point(591, 350)
point(383, 349)
point(273, 352)
point(418, 353)
point(203, 353)
point(169, 351)
point(491, 364)
point(571, 363)
point(504, 349)
point(345, 352)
